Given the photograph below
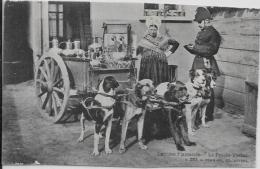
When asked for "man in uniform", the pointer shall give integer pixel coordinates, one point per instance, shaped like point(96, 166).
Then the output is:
point(205, 47)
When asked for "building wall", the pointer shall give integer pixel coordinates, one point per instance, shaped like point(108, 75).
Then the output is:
point(183, 32)
point(17, 52)
point(238, 56)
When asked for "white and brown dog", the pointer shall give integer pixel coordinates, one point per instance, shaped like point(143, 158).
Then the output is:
point(134, 105)
point(198, 96)
point(101, 112)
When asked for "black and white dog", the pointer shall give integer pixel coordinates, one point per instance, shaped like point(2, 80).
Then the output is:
point(199, 90)
point(168, 120)
point(101, 112)
point(134, 105)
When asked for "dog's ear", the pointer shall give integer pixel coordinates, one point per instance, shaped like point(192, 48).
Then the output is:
point(138, 85)
point(99, 81)
point(214, 75)
point(137, 90)
point(105, 86)
point(171, 86)
point(168, 85)
point(192, 74)
point(181, 86)
point(115, 83)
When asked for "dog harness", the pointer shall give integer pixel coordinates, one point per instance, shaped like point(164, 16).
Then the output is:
point(106, 100)
point(135, 105)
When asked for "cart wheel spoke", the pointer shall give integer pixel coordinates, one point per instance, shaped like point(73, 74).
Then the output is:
point(52, 69)
point(41, 94)
point(43, 73)
point(57, 99)
point(57, 82)
point(58, 90)
point(47, 68)
point(54, 105)
point(50, 105)
point(41, 81)
point(46, 101)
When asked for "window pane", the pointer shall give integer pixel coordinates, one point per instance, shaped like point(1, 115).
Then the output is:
point(52, 16)
point(61, 28)
point(61, 16)
point(52, 7)
point(151, 6)
point(60, 8)
point(170, 7)
point(52, 26)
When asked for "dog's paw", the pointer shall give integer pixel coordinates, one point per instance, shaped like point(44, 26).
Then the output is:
point(95, 153)
point(108, 151)
point(196, 127)
point(142, 146)
point(191, 143)
point(205, 125)
point(122, 150)
point(191, 133)
point(180, 147)
point(80, 139)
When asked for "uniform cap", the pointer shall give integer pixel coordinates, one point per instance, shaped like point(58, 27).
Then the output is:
point(202, 14)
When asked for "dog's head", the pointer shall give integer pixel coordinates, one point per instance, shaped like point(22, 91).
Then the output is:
point(211, 78)
point(144, 88)
point(177, 92)
point(107, 84)
point(198, 77)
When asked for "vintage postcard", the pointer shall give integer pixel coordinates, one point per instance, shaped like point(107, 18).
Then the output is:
point(129, 84)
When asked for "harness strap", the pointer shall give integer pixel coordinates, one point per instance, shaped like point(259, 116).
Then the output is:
point(96, 107)
point(107, 95)
point(83, 104)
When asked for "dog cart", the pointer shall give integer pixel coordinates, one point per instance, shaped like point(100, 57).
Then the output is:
point(62, 75)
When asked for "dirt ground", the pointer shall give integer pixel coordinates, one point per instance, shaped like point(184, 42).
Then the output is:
point(28, 139)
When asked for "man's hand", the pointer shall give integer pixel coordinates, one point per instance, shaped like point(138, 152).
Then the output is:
point(189, 48)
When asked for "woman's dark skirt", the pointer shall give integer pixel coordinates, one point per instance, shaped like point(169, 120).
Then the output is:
point(154, 66)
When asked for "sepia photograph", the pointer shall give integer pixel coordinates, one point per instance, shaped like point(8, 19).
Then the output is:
point(129, 84)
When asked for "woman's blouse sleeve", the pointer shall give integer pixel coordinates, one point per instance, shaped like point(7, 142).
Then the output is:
point(174, 44)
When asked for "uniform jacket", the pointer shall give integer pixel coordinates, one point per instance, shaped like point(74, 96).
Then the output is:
point(206, 46)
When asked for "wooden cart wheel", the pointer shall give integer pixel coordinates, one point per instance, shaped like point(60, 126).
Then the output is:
point(52, 86)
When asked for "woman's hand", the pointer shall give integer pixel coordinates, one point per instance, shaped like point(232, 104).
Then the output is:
point(168, 53)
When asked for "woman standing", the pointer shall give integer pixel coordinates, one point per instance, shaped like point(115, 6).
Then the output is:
point(153, 50)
